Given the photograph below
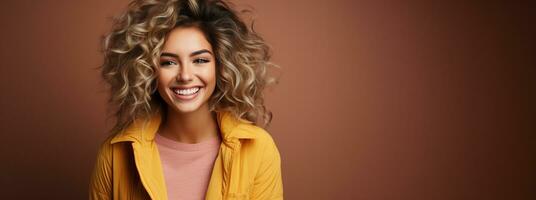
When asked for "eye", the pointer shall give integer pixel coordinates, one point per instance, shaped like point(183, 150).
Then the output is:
point(201, 60)
point(166, 63)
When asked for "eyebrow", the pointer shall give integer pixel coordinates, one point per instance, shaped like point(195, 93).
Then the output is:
point(191, 54)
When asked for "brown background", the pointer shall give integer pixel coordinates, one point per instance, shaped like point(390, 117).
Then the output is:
point(378, 99)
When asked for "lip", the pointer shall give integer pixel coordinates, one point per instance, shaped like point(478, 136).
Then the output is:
point(185, 87)
point(185, 97)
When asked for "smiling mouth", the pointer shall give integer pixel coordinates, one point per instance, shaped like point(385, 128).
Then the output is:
point(186, 91)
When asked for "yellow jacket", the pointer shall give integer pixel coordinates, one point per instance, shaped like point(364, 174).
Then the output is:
point(248, 165)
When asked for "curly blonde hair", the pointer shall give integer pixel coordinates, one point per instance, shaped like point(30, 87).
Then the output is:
point(132, 49)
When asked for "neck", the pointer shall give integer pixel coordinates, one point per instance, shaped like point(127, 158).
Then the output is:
point(193, 127)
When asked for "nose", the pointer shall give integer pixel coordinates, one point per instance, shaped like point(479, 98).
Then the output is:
point(185, 74)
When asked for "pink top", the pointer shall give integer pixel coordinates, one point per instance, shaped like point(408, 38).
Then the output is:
point(187, 167)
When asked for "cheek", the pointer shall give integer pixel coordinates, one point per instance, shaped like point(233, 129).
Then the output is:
point(211, 75)
point(164, 77)
point(207, 75)
point(162, 82)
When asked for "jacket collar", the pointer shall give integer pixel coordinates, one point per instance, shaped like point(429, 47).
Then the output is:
point(144, 130)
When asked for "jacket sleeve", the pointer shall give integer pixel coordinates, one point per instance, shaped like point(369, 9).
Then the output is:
point(100, 186)
point(268, 183)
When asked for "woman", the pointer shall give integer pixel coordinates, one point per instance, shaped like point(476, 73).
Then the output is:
point(187, 80)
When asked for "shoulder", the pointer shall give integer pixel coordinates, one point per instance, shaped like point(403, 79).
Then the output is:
point(101, 178)
point(105, 148)
point(262, 145)
point(260, 136)
point(108, 147)
point(264, 163)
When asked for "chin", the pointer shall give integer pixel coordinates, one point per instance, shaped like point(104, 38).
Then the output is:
point(186, 109)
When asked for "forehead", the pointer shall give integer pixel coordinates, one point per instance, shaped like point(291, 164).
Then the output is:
point(184, 40)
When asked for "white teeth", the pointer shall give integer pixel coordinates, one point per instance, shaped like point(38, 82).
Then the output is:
point(188, 91)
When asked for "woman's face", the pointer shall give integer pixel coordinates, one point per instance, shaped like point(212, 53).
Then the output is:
point(187, 71)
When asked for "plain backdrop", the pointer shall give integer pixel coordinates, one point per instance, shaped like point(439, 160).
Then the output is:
point(377, 99)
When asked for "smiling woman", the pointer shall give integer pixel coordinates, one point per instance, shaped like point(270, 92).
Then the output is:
point(187, 79)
